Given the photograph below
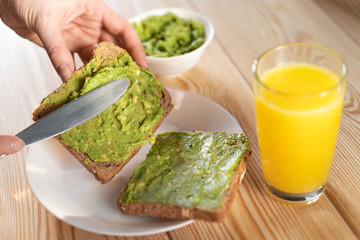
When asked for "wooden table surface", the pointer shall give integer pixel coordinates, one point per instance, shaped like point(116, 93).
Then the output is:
point(243, 30)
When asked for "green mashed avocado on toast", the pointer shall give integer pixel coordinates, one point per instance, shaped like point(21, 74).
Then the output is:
point(185, 169)
point(127, 124)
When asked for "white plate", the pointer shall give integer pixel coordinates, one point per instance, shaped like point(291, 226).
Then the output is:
point(73, 195)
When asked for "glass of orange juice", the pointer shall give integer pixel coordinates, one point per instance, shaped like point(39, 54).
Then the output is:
point(299, 91)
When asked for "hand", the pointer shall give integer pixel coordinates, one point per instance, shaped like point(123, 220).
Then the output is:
point(65, 27)
point(10, 145)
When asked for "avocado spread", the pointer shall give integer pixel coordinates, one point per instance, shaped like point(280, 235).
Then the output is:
point(169, 35)
point(187, 169)
point(127, 124)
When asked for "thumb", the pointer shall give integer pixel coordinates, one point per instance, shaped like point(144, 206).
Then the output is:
point(10, 144)
point(59, 54)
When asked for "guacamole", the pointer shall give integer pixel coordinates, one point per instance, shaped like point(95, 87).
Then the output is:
point(124, 126)
point(187, 169)
point(169, 35)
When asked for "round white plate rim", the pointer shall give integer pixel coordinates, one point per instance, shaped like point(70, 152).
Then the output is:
point(179, 96)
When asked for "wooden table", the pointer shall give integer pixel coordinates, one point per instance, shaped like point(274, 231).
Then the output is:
point(243, 30)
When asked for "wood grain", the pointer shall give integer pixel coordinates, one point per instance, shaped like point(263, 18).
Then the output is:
point(243, 30)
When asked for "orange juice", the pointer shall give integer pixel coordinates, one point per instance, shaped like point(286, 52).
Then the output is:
point(298, 111)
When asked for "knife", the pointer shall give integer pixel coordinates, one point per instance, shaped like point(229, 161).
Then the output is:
point(74, 113)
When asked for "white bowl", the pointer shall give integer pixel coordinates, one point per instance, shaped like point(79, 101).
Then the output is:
point(176, 65)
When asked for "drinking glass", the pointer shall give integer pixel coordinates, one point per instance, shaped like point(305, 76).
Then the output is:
point(299, 91)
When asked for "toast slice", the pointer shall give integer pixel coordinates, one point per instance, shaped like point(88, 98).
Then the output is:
point(188, 175)
point(106, 143)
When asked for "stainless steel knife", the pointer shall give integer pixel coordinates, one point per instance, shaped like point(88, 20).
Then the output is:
point(75, 112)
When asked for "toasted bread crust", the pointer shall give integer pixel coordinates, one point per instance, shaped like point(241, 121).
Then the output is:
point(102, 171)
point(176, 212)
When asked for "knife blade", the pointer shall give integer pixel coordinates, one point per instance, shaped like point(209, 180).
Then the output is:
point(75, 112)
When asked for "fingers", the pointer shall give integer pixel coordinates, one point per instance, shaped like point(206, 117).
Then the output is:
point(59, 54)
point(133, 45)
point(10, 144)
point(120, 27)
point(85, 53)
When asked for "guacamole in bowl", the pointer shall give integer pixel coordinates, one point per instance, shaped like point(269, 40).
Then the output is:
point(174, 39)
point(169, 35)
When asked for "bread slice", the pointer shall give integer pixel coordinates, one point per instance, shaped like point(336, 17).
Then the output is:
point(188, 175)
point(106, 55)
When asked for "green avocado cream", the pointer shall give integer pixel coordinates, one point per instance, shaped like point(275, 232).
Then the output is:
point(187, 169)
point(169, 35)
point(128, 123)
